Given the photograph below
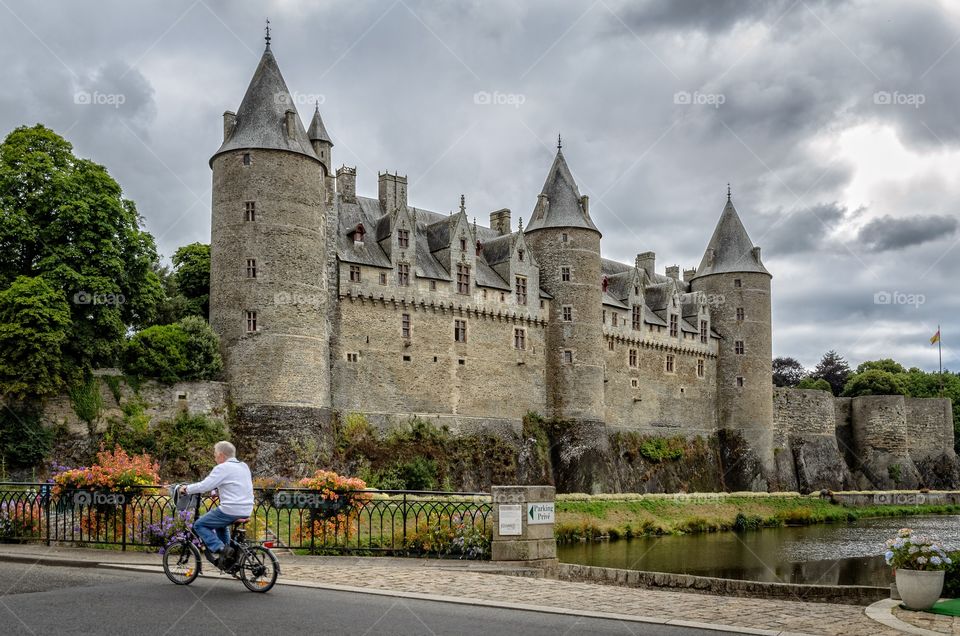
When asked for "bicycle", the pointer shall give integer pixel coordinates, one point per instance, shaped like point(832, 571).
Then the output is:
point(253, 562)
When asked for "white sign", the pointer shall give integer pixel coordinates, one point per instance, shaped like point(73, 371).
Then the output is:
point(511, 520)
point(540, 512)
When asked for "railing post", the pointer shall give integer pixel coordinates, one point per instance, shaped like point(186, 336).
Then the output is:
point(403, 508)
point(46, 504)
point(123, 512)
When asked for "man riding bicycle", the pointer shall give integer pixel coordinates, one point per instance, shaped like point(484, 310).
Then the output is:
point(231, 479)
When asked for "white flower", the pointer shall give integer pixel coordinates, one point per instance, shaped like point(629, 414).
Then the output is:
point(921, 560)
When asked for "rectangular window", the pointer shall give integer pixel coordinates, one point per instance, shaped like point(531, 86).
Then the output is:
point(610, 345)
point(565, 274)
point(568, 357)
point(249, 210)
point(433, 285)
point(405, 326)
point(463, 278)
point(603, 319)
point(246, 158)
point(460, 330)
point(403, 238)
point(740, 313)
point(738, 347)
point(613, 318)
point(568, 314)
point(383, 278)
point(674, 325)
point(669, 366)
point(519, 339)
point(637, 317)
point(403, 274)
point(703, 331)
point(463, 245)
point(737, 282)
point(740, 381)
point(635, 383)
point(563, 237)
point(521, 285)
point(354, 273)
point(700, 368)
point(633, 357)
point(353, 357)
point(251, 321)
point(251, 268)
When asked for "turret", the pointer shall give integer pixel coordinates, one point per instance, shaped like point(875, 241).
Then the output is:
point(732, 272)
point(268, 288)
point(320, 141)
point(567, 247)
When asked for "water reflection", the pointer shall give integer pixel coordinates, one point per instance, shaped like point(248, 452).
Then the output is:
point(826, 554)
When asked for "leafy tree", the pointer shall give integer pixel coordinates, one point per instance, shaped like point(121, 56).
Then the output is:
point(787, 371)
point(64, 218)
point(174, 305)
point(186, 350)
point(834, 369)
point(203, 348)
point(34, 319)
point(887, 364)
point(874, 382)
point(814, 383)
point(192, 276)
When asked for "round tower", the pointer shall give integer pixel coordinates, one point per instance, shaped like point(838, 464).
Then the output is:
point(567, 247)
point(734, 278)
point(268, 284)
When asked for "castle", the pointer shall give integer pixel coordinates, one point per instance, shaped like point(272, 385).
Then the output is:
point(330, 302)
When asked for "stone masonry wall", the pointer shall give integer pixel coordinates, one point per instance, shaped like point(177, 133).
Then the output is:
point(929, 426)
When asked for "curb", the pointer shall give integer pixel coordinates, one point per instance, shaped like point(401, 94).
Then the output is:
point(882, 612)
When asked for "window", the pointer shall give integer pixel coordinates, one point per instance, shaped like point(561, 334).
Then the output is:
point(463, 245)
point(433, 285)
point(403, 238)
point(405, 326)
point(521, 290)
point(520, 255)
point(354, 273)
point(564, 237)
point(251, 321)
point(740, 313)
point(501, 297)
point(383, 278)
point(460, 330)
point(568, 357)
point(246, 158)
point(634, 382)
point(637, 317)
point(737, 282)
point(565, 274)
point(674, 325)
point(703, 331)
point(610, 345)
point(738, 347)
point(603, 319)
point(636, 290)
point(740, 380)
point(403, 274)
point(568, 314)
point(700, 372)
point(519, 339)
point(251, 268)
point(353, 357)
point(633, 357)
point(463, 278)
point(669, 366)
point(249, 210)
point(406, 358)
point(613, 318)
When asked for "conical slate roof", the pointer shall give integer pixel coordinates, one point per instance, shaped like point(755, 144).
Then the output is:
point(317, 131)
point(563, 195)
point(730, 248)
point(262, 114)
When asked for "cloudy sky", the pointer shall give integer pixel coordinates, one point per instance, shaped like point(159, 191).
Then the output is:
point(836, 123)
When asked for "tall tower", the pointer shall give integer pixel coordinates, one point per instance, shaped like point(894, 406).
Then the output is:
point(323, 148)
point(732, 273)
point(268, 285)
point(567, 246)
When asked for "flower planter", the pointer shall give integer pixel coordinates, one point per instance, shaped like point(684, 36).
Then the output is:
point(919, 589)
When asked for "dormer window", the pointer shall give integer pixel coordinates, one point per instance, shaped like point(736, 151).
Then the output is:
point(403, 238)
point(674, 325)
point(358, 233)
point(479, 247)
point(605, 284)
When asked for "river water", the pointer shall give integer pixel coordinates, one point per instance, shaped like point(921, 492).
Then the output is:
point(837, 554)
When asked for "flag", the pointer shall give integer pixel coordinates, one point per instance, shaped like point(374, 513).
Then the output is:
point(936, 337)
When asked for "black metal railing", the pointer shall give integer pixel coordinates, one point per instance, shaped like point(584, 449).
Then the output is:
point(395, 522)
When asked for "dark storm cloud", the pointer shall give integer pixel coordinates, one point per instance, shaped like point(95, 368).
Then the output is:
point(889, 233)
point(802, 230)
point(710, 16)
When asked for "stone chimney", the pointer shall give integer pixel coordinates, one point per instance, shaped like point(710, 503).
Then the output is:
point(392, 189)
point(688, 274)
point(229, 123)
point(673, 272)
point(291, 123)
point(500, 221)
point(647, 261)
point(347, 184)
point(756, 255)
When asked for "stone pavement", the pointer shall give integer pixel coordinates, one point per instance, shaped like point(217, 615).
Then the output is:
point(485, 583)
point(932, 622)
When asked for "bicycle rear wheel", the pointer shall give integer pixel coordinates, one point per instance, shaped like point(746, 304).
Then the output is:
point(181, 562)
point(259, 569)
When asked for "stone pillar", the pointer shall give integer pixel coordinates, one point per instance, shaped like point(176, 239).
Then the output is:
point(523, 520)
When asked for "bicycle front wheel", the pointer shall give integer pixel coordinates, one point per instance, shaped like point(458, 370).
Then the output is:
point(259, 569)
point(181, 562)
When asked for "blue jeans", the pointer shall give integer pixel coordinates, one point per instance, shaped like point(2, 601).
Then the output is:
point(214, 529)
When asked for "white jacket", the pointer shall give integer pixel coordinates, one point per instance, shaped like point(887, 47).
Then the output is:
point(234, 487)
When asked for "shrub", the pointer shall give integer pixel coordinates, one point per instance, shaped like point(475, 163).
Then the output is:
point(874, 382)
point(419, 473)
point(814, 383)
point(658, 449)
point(951, 580)
point(185, 350)
point(184, 444)
point(86, 400)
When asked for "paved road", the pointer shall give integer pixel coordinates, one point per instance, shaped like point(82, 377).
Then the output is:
point(59, 600)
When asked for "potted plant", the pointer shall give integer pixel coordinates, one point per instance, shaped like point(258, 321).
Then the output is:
point(918, 563)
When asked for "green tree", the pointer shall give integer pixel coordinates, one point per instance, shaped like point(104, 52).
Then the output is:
point(787, 371)
point(64, 218)
point(834, 369)
point(34, 320)
point(186, 350)
point(874, 382)
point(887, 364)
point(192, 275)
point(203, 347)
point(173, 306)
point(814, 383)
